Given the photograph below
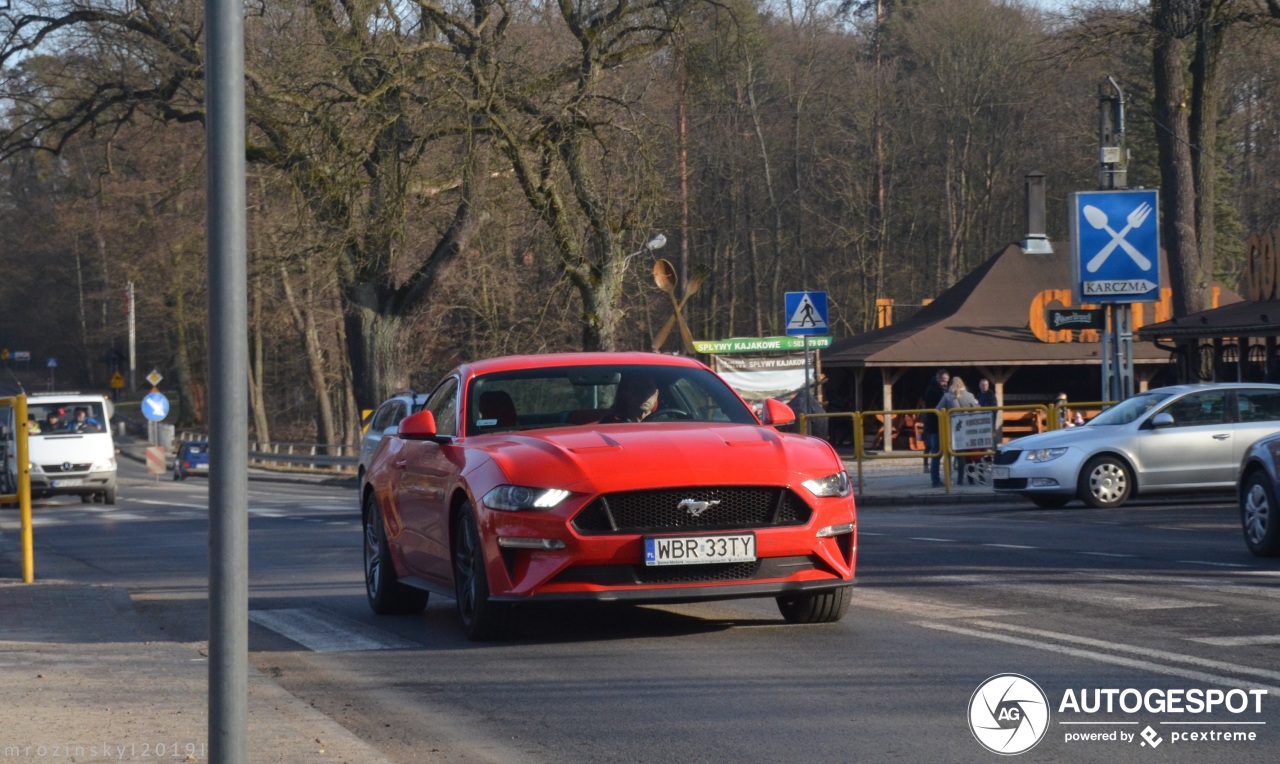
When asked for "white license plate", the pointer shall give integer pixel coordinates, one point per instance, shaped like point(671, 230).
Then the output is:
point(68, 482)
point(694, 550)
point(1000, 473)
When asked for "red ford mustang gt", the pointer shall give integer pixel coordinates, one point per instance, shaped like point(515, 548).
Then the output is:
point(602, 476)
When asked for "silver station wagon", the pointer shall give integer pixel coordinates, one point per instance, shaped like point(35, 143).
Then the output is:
point(1166, 440)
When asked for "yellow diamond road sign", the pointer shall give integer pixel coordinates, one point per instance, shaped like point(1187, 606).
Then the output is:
point(154, 378)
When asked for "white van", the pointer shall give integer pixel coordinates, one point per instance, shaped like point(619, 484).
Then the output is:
point(70, 446)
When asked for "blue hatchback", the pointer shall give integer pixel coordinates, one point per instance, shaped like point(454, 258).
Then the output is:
point(192, 459)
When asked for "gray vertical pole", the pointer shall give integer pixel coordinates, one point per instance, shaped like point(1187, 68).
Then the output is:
point(805, 400)
point(1104, 354)
point(133, 340)
point(228, 394)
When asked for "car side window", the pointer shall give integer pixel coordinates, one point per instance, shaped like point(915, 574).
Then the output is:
point(1207, 408)
point(443, 405)
point(383, 418)
point(1258, 405)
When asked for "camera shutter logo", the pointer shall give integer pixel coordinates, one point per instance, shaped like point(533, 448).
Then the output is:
point(1009, 714)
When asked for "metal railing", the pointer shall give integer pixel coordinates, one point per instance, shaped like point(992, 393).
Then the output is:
point(1019, 420)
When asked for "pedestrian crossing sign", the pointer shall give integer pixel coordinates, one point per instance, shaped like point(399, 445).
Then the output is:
point(806, 313)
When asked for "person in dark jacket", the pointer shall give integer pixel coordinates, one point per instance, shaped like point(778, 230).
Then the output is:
point(932, 441)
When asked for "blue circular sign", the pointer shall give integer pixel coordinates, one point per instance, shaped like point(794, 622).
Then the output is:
point(155, 406)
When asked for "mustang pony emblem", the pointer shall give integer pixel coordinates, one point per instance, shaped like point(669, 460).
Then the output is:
point(694, 507)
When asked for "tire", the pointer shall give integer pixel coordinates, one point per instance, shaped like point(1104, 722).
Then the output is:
point(109, 496)
point(387, 596)
point(816, 607)
point(1105, 483)
point(1049, 501)
point(482, 619)
point(1258, 516)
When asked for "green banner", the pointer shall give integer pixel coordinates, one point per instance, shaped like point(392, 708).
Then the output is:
point(760, 345)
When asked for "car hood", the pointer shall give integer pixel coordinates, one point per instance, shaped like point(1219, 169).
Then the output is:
point(1070, 436)
point(639, 456)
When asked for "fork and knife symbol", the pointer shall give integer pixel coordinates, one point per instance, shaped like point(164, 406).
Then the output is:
point(1098, 219)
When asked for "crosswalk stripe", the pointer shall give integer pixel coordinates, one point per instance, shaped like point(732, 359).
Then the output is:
point(327, 633)
point(1076, 594)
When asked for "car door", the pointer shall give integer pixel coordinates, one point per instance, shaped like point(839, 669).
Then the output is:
point(1195, 450)
point(1257, 416)
point(427, 472)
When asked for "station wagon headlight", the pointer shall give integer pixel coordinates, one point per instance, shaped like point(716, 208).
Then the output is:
point(1042, 455)
point(515, 498)
point(836, 485)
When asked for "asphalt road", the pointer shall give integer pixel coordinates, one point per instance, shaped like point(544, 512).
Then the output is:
point(1155, 598)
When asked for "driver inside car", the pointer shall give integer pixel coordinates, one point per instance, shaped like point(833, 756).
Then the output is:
point(636, 399)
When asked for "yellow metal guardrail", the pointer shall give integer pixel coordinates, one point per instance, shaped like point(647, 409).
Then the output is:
point(1043, 417)
point(22, 473)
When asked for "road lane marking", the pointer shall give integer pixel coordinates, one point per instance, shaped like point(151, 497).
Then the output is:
point(896, 603)
point(1261, 639)
point(1107, 554)
point(328, 633)
point(1206, 663)
point(1075, 594)
point(168, 503)
point(1134, 663)
point(926, 538)
point(1011, 546)
point(1213, 564)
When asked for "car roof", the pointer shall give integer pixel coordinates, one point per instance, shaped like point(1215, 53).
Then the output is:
point(1179, 389)
point(599, 358)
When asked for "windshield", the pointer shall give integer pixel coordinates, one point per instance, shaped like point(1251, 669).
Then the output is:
point(60, 418)
point(1128, 410)
point(578, 395)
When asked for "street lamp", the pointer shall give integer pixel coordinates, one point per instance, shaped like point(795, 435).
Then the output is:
point(657, 242)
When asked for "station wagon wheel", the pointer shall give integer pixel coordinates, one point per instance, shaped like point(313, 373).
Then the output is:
point(387, 596)
point(482, 619)
point(815, 607)
point(1105, 483)
point(1258, 515)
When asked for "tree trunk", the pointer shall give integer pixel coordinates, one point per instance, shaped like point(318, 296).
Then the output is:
point(257, 366)
point(1204, 136)
point(304, 321)
point(1187, 275)
point(373, 343)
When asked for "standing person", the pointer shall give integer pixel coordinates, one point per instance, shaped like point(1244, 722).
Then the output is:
point(986, 396)
point(932, 441)
point(958, 397)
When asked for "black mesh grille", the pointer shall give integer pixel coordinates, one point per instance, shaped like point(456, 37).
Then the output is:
point(637, 575)
point(69, 467)
point(1008, 456)
point(678, 508)
point(692, 574)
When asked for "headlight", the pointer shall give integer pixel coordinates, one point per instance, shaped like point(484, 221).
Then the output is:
point(831, 485)
point(514, 498)
point(1042, 455)
point(107, 466)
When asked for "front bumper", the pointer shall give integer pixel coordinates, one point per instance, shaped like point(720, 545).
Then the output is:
point(610, 566)
point(72, 483)
point(1059, 477)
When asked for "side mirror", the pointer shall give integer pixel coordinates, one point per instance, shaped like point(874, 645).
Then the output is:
point(419, 426)
point(777, 413)
point(1163, 419)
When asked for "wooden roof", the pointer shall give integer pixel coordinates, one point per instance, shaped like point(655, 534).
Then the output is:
point(1241, 319)
point(984, 319)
